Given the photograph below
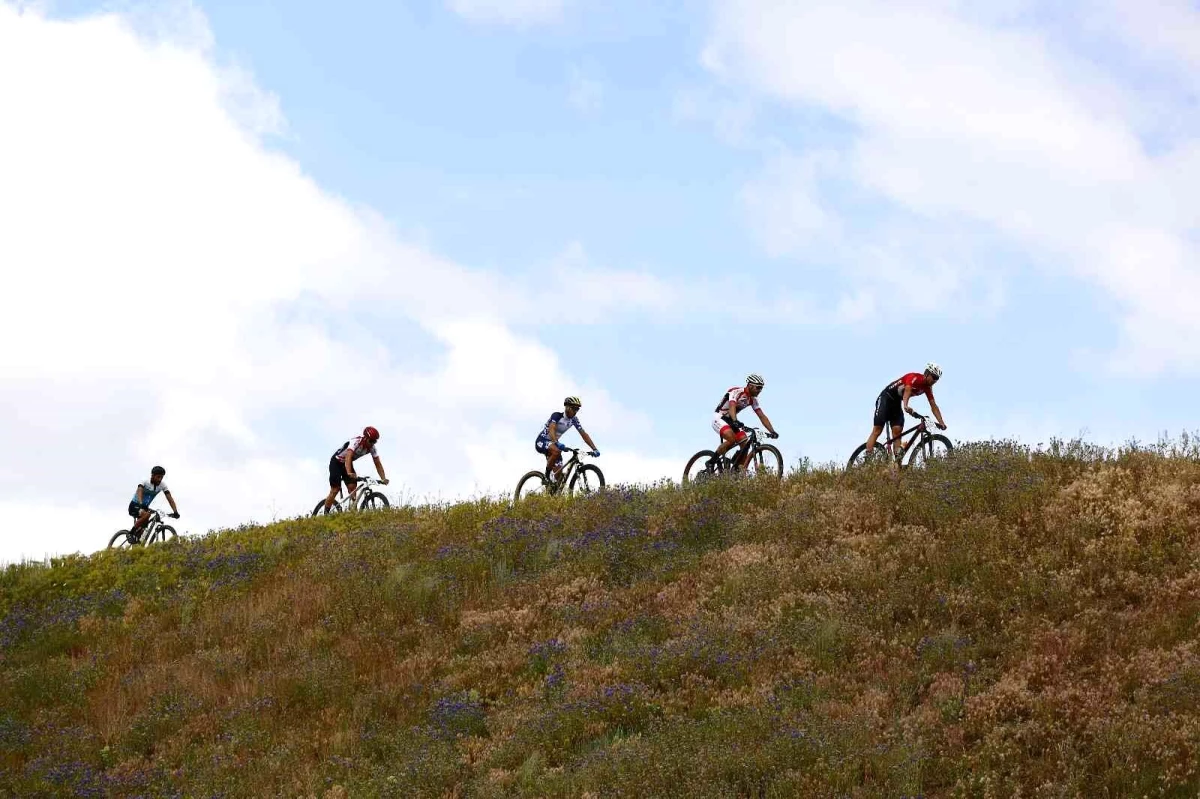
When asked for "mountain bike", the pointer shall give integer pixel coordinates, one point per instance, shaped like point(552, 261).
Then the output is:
point(574, 473)
point(764, 459)
point(154, 531)
point(930, 446)
point(367, 499)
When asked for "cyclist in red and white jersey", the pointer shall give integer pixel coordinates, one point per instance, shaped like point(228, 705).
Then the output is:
point(892, 404)
point(725, 421)
point(341, 465)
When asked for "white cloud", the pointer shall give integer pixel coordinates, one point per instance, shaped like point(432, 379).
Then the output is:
point(968, 124)
point(584, 93)
point(178, 293)
point(508, 12)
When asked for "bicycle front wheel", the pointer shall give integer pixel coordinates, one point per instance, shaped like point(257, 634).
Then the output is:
point(373, 501)
point(589, 478)
point(121, 540)
point(532, 483)
point(698, 468)
point(862, 458)
point(767, 461)
point(931, 448)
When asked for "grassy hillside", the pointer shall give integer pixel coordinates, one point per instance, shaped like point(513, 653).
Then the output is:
point(1008, 623)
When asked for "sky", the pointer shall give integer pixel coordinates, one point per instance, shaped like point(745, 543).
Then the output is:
point(234, 232)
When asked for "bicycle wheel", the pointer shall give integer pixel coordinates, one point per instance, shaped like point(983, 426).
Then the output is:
point(698, 468)
point(319, 510)
point(861, 458)
point(373, 501)
point(931, 448)
point(767, 460)
point(589, 478)
point(121, 540)
point(532, 483)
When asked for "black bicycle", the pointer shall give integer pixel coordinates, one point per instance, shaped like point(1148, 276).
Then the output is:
point(153, 532)
point(575, 474)
point(929, 446)
point(366, 499)
point(765, 459)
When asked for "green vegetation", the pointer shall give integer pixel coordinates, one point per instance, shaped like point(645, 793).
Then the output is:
point(1009, 622)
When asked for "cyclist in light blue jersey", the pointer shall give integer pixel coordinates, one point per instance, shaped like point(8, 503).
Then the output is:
point(143, 495)
point(558, 423)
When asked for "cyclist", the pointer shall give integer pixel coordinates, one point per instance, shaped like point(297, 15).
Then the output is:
point(143, 495)
point(559, 423)
point(341, 465)
point(892, 404)
point(726, 423)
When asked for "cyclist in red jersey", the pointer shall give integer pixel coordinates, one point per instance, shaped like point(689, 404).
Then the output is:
point(729, 427)
point(892, 404)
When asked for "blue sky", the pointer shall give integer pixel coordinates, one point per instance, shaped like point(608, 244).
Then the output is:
point(440, 217)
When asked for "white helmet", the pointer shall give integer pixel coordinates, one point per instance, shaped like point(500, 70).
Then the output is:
point(934, 369)
point(755, 380)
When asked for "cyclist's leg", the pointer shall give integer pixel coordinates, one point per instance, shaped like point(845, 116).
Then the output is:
point(898, 448)
point(140, 514)
point(879, 420)
point(728, 439)
point(553, 455)
point(337, 473)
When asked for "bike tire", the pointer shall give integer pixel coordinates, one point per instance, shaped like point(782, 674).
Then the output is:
point(166, 533)
point(319, 510)
point(771, 452)
point(531, 483)
point(703, 473)
point(938, 446)
point(373, 501)
point(121, 540)
point(590, 484)
point(857, 458)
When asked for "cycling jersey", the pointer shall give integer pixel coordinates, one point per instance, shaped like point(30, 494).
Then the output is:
point(739, 395)
point(149, 492)
point(562, 423)
point(914, 380)
point(361, 446)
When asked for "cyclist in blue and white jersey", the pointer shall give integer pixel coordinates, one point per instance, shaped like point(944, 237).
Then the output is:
point(559, 423)
point(143, 495)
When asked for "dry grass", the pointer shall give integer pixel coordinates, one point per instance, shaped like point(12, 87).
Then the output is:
point(1009, 623)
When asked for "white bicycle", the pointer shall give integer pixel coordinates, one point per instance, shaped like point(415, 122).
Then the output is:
point(367, 499)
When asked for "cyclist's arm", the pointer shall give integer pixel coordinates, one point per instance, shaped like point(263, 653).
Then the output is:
point(348, 459)
point(766, 422)
point(171, 499)
point(141, 501)
point(587, 438)
point(907, 397)
point(937, 412)
point(731, 410)
point(379, 468)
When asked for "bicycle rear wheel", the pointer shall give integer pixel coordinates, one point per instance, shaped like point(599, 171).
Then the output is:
point(861, 458)
point(698, 468)
point(374, 501)
point(121, 540)
point(589, 478)
point(532, 483)
point(767, 460)
point(319, 510)
point(932, 448)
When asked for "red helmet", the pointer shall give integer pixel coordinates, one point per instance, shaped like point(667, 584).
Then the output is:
point(371, 433)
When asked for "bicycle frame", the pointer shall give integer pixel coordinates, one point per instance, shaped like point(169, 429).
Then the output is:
point(354, 498)
point(919, 430)
point(743, 449)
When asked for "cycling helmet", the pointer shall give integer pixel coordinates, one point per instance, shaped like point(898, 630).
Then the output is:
point(755, 380)
point(158, 470)
point(573, 401)
point(371, 433)
point(933, 369)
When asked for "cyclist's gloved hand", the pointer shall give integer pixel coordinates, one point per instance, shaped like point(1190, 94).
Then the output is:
point(174, 515)
point(595, 453)
point(736, 425)
point(941, 426)
point(772, 434)
point(384, 480)
point(912, 413)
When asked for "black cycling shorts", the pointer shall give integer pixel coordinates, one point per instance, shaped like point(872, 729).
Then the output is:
point(135, 509)
point(888, 409)
point(337, 473)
